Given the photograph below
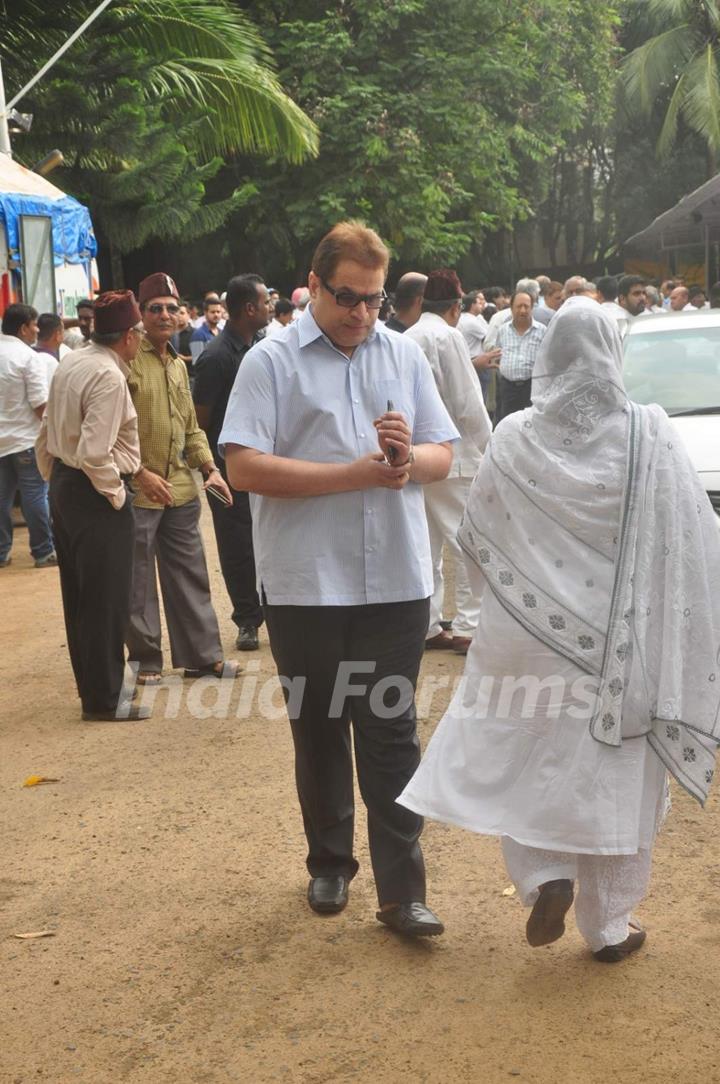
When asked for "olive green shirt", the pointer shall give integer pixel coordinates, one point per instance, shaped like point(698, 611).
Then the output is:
point(171, 441)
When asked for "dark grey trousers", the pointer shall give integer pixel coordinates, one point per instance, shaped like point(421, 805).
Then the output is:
point(329, 647)
point(171, 538)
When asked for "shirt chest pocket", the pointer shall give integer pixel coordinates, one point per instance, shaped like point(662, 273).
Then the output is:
point(394, 394)
point(179, 396)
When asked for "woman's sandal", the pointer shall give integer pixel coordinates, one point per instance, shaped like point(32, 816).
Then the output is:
point(612, 954)
point(228, 671)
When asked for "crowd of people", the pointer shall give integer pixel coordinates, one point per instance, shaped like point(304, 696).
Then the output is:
point(349, 443)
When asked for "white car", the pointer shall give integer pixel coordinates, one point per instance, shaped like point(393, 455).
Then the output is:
point(674, 359)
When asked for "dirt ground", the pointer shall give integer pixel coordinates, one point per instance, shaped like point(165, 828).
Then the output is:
point(168, 862)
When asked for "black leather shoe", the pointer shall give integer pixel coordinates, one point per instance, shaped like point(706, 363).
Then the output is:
point(328, 895)
point(123, 714)
point(247, 638)
point(547, 918)
point(414, 919)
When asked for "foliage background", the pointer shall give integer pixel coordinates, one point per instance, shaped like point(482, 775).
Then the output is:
point(456, 132)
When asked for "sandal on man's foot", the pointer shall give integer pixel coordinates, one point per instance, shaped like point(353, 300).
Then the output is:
point(613, 954)
point(222, 670)
point(148, 677)
point(546, 923)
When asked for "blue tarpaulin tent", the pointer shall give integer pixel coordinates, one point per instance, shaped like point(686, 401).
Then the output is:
point(25, 193)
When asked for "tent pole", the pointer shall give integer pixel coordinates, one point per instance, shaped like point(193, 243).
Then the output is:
point(56, 56)
point(707, 261)
point(5, 147)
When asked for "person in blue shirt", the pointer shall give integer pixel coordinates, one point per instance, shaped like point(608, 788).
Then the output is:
point(212, 324)
point(336, 425)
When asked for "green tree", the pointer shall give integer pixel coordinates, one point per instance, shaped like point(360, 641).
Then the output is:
point(145, 106)
point(679, 64)
point(436, 130)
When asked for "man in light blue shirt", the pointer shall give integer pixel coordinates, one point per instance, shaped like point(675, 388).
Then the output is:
point(337, 425)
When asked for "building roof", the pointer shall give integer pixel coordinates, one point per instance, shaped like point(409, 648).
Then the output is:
point(694, 220)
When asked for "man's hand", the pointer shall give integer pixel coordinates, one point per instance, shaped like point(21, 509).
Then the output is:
point(394, 432)
point(489, 360)
point(372, 471)
point(216, 480)
point(153, 487)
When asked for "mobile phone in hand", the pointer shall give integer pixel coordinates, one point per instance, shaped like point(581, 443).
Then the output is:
point(218, 495)
point(391, 453)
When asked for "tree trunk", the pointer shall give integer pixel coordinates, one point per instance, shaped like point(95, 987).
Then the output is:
point(117, 272)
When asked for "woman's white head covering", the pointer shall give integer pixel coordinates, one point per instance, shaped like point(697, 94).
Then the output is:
point(591, 527)
point(569, 449)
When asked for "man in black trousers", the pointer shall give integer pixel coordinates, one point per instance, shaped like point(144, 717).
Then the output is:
point(88, 448)
point(247, 303)
point(336, 425)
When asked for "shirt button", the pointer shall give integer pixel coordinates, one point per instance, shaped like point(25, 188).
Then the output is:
point(356, 400)
point(369, 511)
point(362, 436)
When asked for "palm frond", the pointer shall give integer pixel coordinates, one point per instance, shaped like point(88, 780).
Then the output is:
point(210, 28)
point(248, 109)
point(208, 52)
point(668, 132)
point(669, 12)
point(701, 106)
point(203, 51)
point(651, 68)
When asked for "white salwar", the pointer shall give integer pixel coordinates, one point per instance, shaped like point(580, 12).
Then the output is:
point(598, 560)
point(565, 805)
point(444, 507)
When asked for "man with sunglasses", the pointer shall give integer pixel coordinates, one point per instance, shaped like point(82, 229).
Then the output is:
point(167, 505)
point(336, 425)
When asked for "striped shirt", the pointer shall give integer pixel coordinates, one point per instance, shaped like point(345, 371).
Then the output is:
point(519, 351)
point(299, 396)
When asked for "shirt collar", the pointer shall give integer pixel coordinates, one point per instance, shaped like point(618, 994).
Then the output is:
point(234, 339)
point(309, 331)
point(432, 318)
point(147, 347)
point(122, 365)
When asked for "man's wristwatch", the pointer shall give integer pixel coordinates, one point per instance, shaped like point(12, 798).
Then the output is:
point(409, 461)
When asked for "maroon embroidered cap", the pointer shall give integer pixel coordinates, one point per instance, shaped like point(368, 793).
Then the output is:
point(157, 285)
point(115, 310)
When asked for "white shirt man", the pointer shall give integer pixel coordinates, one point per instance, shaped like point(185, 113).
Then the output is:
point(449, 357)
point(24, 381)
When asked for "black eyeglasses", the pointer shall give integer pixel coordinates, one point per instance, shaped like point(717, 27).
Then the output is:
point(348, 299)
point(157, 307)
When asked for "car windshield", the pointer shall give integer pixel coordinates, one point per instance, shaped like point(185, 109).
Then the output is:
point(678, 368)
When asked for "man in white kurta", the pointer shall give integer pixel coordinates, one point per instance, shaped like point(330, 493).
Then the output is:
point(447, 352)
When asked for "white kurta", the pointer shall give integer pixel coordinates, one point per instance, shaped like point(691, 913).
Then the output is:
point(543, 780)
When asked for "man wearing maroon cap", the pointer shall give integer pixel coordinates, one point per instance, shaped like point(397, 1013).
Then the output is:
point(88, 448)
point(167, 505)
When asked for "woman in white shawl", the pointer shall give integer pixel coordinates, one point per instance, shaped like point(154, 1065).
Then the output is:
point(596, 663)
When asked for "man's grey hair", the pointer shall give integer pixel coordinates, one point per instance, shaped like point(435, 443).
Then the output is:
point(652, 295)
point(528, 286)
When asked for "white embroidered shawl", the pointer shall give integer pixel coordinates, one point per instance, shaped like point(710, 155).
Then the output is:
point(591, 527)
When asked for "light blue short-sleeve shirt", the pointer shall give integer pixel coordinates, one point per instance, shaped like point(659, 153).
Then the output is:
point(298, 396)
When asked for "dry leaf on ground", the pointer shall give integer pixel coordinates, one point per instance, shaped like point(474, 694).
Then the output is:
point(34, 934)
point(35, 780)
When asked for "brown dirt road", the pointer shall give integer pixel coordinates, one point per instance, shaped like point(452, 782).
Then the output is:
point(169, 864)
